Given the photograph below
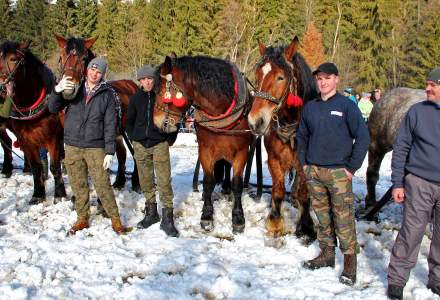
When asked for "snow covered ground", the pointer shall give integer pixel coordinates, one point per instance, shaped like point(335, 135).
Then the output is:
point(38, 260)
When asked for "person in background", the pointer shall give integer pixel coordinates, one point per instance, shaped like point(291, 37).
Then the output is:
point(151, 152)
point(332, 143)
point(365, 106)
point(90, 138)
point(415, 176)
point(348, 92)
point(376, 95)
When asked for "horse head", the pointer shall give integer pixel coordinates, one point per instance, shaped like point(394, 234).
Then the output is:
point(12, 60)
point(75, 54)
point(171, 101)
point(277, 80)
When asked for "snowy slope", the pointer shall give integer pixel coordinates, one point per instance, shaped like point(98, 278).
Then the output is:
point(38, 260)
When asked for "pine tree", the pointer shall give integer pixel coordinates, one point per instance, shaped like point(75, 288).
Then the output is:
point(106, 26)
point(5, 19)
point(312, 47)
point(63, 17)
point(86, 18)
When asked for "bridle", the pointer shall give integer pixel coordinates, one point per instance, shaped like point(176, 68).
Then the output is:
point(82, 62)
point(11, 73)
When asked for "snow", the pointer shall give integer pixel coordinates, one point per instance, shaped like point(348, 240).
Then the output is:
point(39, 261)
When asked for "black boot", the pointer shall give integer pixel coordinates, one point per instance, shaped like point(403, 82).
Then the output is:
point(395, 292)
point(167, 223)
point(348, 275)
point(151, 216)
point(434, 288)
point(325, 259)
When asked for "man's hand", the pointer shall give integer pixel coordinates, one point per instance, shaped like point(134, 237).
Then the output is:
point(107, 161)
point(9, 89)
point(398, 195)
point(348, 173)
point(65, 83)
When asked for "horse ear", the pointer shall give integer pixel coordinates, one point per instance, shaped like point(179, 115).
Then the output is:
point(88, 43)
point(60, 40)
point(291, 49)
point(166, 66)
point(262, 48)
point(173, 55)
point(24, 45)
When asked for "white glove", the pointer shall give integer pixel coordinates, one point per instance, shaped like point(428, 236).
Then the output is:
point(64, 84)
point(107, 161)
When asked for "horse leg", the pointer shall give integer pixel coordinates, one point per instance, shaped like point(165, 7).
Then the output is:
point(375, 157)
point(33, 155)
point(26, 165)
point(238, 220)
point(207, 218)
point(275, 220)
point(56, 149)
point(226, 185)
point(135, 186)
point(305, 227)
point(121, 154)
point(7, 153)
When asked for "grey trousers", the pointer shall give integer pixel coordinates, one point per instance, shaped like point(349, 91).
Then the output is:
point(422, 201)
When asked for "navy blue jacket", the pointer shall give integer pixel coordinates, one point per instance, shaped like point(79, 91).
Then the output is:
point(417, 146)
point(332, 134)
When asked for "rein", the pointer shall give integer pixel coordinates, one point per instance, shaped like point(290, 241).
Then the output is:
point(11, 74)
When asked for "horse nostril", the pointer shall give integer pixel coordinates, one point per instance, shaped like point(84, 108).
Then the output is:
point(257, 126)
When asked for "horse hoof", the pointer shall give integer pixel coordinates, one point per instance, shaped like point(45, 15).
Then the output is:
point(207, 225)
point(36, 200)
point(7, 174)
point(118, 185)
point(57, 200)
point(238, 228)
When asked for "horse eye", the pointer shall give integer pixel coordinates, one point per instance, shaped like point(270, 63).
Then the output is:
point(280, 78)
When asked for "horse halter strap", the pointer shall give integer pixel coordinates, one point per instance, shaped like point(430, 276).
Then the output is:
point(10, 76)
point(168, 95)
point(62, 70)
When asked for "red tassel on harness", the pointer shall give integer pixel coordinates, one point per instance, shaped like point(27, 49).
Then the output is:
point(294, 100)
point(179, 102)
point(16, 144)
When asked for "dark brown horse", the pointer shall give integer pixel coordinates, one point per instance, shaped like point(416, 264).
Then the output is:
point(31, 121)
point(282, 75)
point(218, 92)
point(75, 54)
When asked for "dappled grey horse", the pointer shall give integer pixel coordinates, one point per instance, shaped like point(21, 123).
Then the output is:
point(383, 123)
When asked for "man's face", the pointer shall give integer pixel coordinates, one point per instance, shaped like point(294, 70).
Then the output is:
point(432, 91)
point(94, 76)
point(377, 94)
point(327, 83)
point(147, 83)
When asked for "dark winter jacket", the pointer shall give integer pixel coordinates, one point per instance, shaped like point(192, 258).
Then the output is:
point(91, 125)
point(416, 149)
point(139, 124)
point(332, 134)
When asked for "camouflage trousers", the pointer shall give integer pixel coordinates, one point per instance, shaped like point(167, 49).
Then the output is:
point(81, 161)
point(153, 160)
point(333, 202)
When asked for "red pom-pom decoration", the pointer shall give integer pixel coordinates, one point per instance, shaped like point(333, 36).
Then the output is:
point(16, 144)
point(294, 100)
point(179, 102)
point(167, 98)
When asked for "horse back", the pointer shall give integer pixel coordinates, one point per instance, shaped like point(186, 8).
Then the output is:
point(125, 89)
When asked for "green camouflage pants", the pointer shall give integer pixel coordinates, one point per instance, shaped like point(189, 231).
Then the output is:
point(81, 161)
point(333, 202)
point(152, 160)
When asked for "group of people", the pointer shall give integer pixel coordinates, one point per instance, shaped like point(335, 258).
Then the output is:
point(90, 130)
point(332, 143)
point(364, 101)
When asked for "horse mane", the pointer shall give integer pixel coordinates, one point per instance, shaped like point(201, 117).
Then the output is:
point(306, 85)
point(78, 44)
point(31, 62)
point(212, 77)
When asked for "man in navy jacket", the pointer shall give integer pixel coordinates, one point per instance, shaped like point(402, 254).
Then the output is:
point(416, 182)
point(332, 141)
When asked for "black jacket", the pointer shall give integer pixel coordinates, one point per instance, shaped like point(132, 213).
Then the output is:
point(417, 146)
point(91, 125)
point(139, 124)
point(327, 131)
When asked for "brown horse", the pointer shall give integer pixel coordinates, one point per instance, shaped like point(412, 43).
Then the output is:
point(281, 74)
point(75, 54)
point(218, 93)
point(31, 121)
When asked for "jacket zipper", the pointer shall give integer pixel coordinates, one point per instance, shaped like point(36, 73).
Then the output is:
point(148, 114)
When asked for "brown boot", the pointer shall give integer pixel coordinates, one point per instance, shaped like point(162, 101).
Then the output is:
point(80, 224)
point(348, 275)
point(117, 226)
point(325, 259)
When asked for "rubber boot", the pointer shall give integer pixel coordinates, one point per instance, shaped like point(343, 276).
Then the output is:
point(167, 223)
point(151, 216)
point(325, 259)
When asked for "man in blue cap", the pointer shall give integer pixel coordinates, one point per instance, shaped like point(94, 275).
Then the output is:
point(416, 183)
point(89, 134)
